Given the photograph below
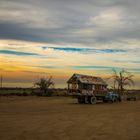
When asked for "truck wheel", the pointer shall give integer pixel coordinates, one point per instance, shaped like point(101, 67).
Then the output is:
point(93, 100)
point(113, 100)
point(86, 101)
point(120, 99)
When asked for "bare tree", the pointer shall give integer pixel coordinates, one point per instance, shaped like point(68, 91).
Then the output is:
point(44, 84)
point(121, 79)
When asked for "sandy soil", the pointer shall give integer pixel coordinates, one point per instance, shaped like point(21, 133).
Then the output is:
point(61, 118)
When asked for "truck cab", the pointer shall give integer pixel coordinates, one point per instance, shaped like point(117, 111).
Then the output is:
point(111, 97)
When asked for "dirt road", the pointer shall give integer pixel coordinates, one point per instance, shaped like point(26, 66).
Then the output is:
point(61, 118)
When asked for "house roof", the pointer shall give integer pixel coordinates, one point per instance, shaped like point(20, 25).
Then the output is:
point(86, 79)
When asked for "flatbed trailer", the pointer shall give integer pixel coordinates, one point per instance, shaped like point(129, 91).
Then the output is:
point(87, 99)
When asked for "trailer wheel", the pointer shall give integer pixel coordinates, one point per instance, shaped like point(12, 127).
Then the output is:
point(93, 100)
point(86, 100)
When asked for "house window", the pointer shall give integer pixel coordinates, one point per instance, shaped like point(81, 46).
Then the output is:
point(87, 86)
point(74, 86)
point(84, 86)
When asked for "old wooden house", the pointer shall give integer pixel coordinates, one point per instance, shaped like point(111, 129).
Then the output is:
point(86, 85)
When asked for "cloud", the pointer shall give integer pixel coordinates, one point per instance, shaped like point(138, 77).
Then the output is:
point(46, 67)
point(91, 67)
point(85, 50)
point(17, 53)
point(108, 69)
point(82, 22)
point(128, 61)
point(64, 36)
point(99, 68)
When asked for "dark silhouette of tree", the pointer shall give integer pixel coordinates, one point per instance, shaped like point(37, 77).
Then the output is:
point(121, 79)
point(44, 84)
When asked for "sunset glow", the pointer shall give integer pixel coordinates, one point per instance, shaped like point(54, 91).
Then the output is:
point(58, 38)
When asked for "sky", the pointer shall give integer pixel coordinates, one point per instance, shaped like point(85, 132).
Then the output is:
point(42, 38)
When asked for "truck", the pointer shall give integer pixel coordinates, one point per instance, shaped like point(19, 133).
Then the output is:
point(90, 89)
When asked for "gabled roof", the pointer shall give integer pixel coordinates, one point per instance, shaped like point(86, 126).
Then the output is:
point(86, 79)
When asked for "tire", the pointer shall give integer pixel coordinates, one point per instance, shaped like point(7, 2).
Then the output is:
point(86, 100)
point(93, 100)
point(113, 100)
point(120, 99)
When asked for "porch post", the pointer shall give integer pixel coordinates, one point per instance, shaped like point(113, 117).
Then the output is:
point(68, 86)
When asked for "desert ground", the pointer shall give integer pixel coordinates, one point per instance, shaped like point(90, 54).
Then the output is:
point(62, 118)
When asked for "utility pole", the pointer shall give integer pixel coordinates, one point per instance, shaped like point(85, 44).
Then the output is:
point(1, 80)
